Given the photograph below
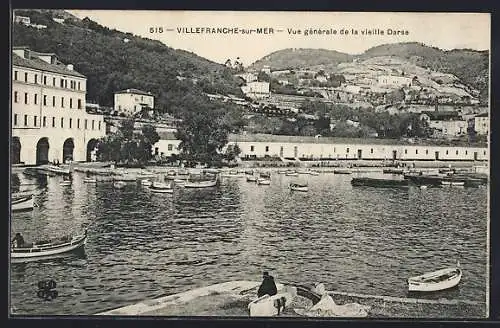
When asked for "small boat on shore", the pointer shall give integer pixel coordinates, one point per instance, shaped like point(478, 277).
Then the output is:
point(436, 280)
point(251, 178)
point(22, 203)
point(375, 182)
point(39, 250)
point(291, 174)
point(161, 187)
point(298, 187)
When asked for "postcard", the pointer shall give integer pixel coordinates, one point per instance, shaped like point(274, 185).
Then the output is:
point(250, 164)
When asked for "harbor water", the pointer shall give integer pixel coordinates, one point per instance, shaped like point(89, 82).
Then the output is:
point(143, 245)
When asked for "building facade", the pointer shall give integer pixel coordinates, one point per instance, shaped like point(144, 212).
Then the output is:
point(131, 101)
point(445, 123)
point(482, 124)
point(49, 121)
point(394, 81)
point(311, 148)
point(256, 90)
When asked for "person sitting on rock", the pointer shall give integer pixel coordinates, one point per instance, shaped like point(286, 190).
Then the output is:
point(268, 285)
point(18, 240)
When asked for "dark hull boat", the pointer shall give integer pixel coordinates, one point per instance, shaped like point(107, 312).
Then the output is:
point(371, 182)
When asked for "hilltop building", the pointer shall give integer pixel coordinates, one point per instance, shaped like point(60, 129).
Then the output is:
point(49, 120)
point(131, 101)
point(445, 123)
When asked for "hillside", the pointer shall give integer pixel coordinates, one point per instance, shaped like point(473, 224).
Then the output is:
point(299, 58)
point(471, 67)
point(113, 60)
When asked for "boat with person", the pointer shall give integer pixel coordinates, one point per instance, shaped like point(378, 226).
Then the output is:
point(295, 186)
point(437, 280)
point(23, 203)
point(47, 249)
point(161, 187)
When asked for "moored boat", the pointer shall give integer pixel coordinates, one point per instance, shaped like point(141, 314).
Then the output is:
point(291, 174)
point(313, 172)
point(65, 183)
point(263, 181)
point(376, 182)
point(342, 171)
point(393, 170)
point(41, 250)
point(298, 187)
point(436, 280)
point(146, 182)
point(22, 203)
point(119, 184)
point(251, 178)
point(89, 180)
point(201, 183)
point(161, 187)
point(448, 183)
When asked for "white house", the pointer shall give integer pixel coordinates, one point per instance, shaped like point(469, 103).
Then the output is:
point(394, 81)
point(482, 123)
point(49, 121)
point(256, 90)
point(445, 123)
point(131, 101)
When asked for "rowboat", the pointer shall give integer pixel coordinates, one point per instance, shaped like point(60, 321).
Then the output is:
point(47, 249)
point(161, 187)
point(54, 169)
point(89, 180)
point(448, 183)
point(298, 187)
point(65, 183)
point(342, 171)
point(22, 203)
point(119, 184)
point(251, 178)
point(313, 172)
point(436, 280)
point(291, 174)
point(393, 171)
point(146, 182)
point(263, 181)
point(267, 306)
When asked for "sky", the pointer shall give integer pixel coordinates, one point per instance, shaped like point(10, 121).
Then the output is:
point(443, 30)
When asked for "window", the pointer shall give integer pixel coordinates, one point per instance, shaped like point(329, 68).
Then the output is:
point(78, 123)
point(35, 118)
point(251, 148)
point(45, 80)
point(35, 99)
point(66, 84)
point(170, 147)
point(25, 120)
point(456, 153)
point(62, 102)
point(15, 119)
point(44, 121)
point(53, 122)
point(79, 104)
point(26, 98)
point(85, 127)
point(416, 151)
point(45, 100)
point(15, 75)
point(36, 78)
point(70, 102)
point(54, 81)
point(427, 151)
point(25, 77)
point(347, 150)
point(99, 125)
point(406, 151)
point(62, 83)
point(62, 122)
point(78, 85)
point(92, 124)
point(446, 152)
point(267, 148)
point(334, 150)
point(70, 123)
point(466, 152)
point(484, 153)
point(371, 151)
point(15, 96)
point(53, 101)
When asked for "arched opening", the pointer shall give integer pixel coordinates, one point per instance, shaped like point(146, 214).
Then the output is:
point(15, 156)
point(42, 151)
point(68, 147)
point(91, 150)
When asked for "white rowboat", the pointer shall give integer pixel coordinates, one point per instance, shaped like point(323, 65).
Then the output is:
point(263, 181)
point(161, 187)
point(436, 280)
point(452, 183)
point(298, 187)
point(23, 203)
point(89, 180)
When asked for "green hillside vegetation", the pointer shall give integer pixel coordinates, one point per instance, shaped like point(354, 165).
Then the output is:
point(112, 63)
point(301, 58)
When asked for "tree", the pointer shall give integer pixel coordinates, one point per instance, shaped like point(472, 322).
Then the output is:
point(263, 77)
point(232, 152)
